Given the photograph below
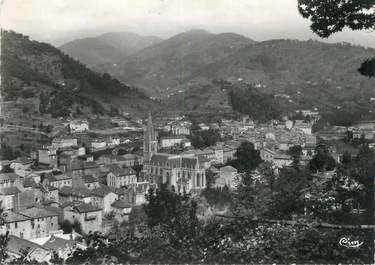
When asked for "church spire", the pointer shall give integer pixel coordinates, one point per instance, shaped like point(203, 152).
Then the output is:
point(150, 140)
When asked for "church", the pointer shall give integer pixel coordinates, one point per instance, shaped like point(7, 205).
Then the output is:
point(182, 173)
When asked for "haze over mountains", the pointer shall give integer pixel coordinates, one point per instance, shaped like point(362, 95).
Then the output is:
point(107, 48)
point(197, 57)
point(188, 70)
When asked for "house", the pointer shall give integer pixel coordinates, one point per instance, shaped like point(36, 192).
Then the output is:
point(57, 180)
point(17, 224)
point(58, 143)
point(43, 222)
point(218, 154)
point(267, 154)
point(90, 182)
point(180, 128)
point(130, 160)
point(48, 156)
point(176, 140)
point(281, 160)
point(18, 247)
point(89, 216)
point(98, 144)
point(119, 177)
point(78, 126)
point(69, 194)
point(9, 180)
point(303, 126)
point(122, 209)
point(139, 191)
point(9, 198)
point(81, 168)
point(103, 197)
point(45, 193)
point(203, 127)
point(288, 124)
point(227, 177)
point(229, 153)
point(63, 247)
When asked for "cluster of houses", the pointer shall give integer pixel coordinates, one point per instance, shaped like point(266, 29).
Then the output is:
point(72, 180)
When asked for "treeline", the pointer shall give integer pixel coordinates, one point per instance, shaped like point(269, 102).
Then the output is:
point(250, 101)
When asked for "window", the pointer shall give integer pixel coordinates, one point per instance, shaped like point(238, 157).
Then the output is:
point(15, 225)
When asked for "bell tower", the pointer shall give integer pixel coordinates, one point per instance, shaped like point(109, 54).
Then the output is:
point(150, 142)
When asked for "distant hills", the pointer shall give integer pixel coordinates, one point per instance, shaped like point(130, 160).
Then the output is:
point(107, 48)
point(193, 71)
point(61, 85)
point(172, 64)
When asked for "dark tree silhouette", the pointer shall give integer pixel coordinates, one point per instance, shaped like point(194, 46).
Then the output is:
point(329, 17)
point(247, 157)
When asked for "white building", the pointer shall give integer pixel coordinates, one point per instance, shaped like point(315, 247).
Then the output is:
point(78, 126)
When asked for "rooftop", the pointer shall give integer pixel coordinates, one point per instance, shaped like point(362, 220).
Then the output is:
point(9, 191)
point(102, 191)
point(122, 204)
point(36, 212)
point(119, 171)
point(86, 208)
point(76, 191)
point(10, 217)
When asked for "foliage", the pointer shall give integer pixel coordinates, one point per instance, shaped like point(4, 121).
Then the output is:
point(100, 250)
point(4, 238)
point(322, 160)
point(77, 226)
point(295, 152)
point(219, 197)
point(247, 158)
point(368, 68)
point(7, 152)
point(246, 241)
point(204, 138)
point(67, 227)
point(329, 17)
point(172, 231)
point(256, 104)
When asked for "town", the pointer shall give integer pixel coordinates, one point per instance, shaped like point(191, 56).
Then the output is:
point(86, 180)
point(187, 132)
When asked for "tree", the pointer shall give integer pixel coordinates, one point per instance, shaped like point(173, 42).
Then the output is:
point(67, 227)
point(77, 226)
point(247, 158)
point(329, 17)
point(100, 250)
point(322, 160)
point(4, 238)
point(346, 159)
point(7, 152)
point(173, 228)
point(295, 152)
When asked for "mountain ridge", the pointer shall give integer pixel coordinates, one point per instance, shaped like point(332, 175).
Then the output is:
point(107, 47)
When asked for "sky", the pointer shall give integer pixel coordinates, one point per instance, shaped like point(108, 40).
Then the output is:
point(60, 21)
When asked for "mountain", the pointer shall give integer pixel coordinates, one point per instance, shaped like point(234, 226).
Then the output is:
point(59, 85)
point(308, 74)
point(169, 65)
point(107, 48)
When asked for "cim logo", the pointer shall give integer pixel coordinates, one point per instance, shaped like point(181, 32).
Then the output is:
point(346, 242)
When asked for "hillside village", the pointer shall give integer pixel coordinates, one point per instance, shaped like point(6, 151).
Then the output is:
point(178, 164)
point(87, 178)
